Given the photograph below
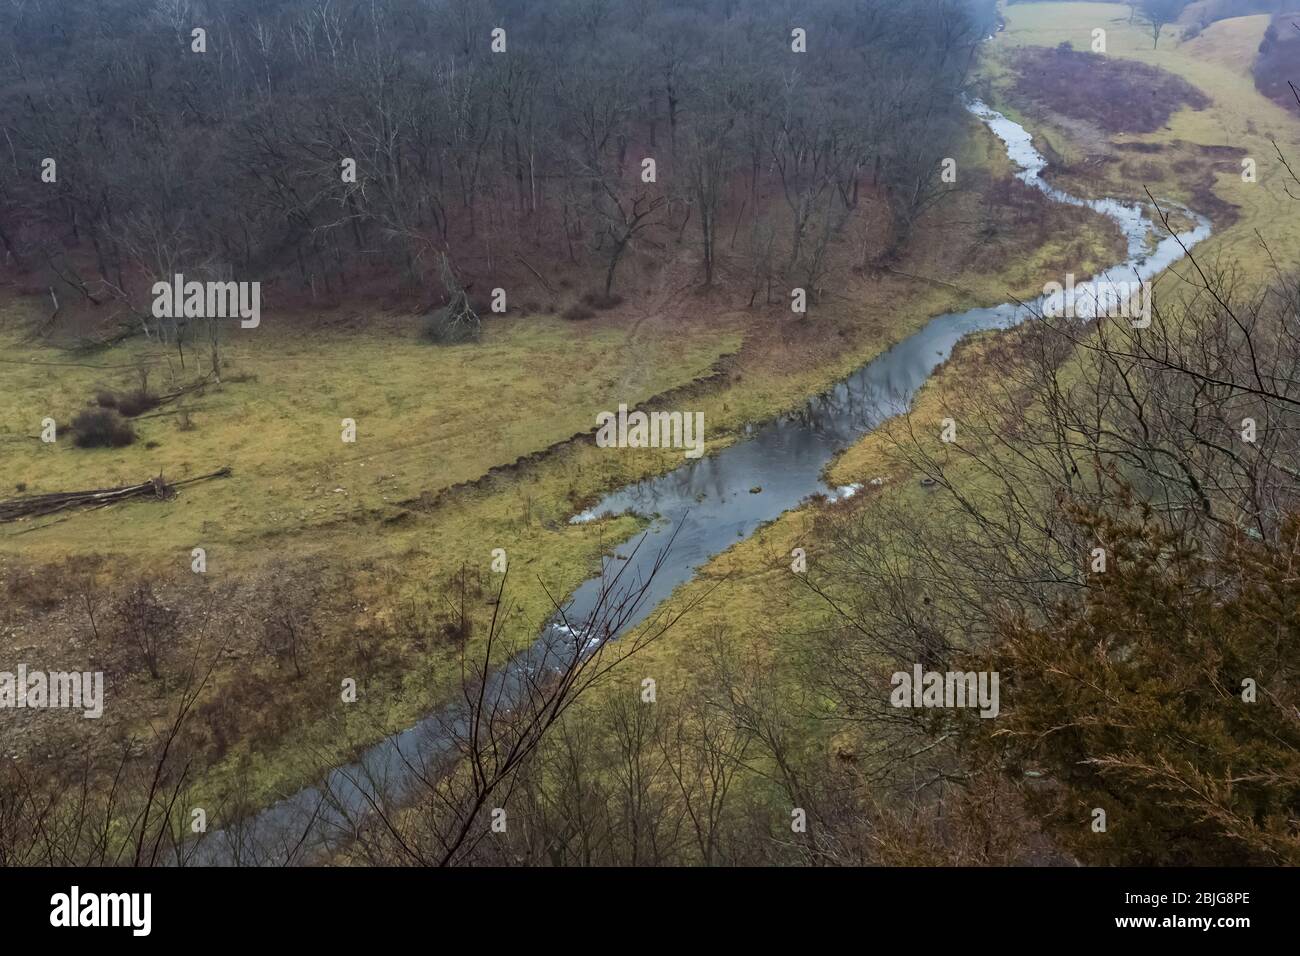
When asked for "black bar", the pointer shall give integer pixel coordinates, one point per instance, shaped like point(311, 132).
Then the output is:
point(871, 906)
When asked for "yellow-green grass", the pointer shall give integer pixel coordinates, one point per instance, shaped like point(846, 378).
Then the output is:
point(749, 593)
point(426, 418)
point(525, 511)
point(430, 417)
point(1218, 62)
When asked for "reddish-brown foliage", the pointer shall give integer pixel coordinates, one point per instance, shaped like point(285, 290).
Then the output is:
point(1117, 95)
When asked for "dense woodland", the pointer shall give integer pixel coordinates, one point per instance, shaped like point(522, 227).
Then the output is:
point(230, 163)
point(1125, 688)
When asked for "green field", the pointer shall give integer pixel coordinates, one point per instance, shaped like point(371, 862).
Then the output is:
point(380, 519)
point(748, 594)
point(1218, 63)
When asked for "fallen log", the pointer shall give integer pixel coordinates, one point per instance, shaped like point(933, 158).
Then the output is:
point(184, 390)
point(540, 277)
point(38, 506)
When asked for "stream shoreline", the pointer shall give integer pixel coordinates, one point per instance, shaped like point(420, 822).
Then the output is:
point(702, 508)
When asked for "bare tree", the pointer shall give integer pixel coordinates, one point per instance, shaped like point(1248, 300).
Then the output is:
point(1157, 13)
point(625, 222)
point(456, 321)
point(146, 625)
point(464, 773)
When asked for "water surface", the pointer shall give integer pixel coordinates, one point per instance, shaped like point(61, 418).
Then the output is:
point(706, 506)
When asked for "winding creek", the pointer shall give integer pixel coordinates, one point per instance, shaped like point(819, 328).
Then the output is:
point(709, 506)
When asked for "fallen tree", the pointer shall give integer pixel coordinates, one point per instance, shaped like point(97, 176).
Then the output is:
point(38, 506)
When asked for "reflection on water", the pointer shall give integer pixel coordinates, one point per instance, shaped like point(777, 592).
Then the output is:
point(712, 503)
point(710, 499)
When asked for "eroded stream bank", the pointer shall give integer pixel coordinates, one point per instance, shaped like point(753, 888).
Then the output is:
point(705, 506)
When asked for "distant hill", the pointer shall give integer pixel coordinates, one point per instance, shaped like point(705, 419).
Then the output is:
point(1207, 11)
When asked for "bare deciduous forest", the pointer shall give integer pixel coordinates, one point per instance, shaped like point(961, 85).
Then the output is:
point(474, 631)
point(230, 165)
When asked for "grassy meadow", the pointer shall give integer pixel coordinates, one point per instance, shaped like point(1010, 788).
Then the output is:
point(386, 522)
point(748, 596)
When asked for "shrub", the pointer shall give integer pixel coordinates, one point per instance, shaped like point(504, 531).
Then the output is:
point(146, 626)
point(1130, 695)
point(447, 326)
point(1117, 95)
point(577, 312)
point(130, 404)
point(600, 301)
point(40, 589)
point(101, 428)
point(136, 403)
point(289, 630)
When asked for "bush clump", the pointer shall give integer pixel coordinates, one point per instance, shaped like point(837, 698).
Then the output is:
point(600, 301)
point(447, 327)
point(129, 405)
point(136, 403)
point(1120, 96)
point(101, 428)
